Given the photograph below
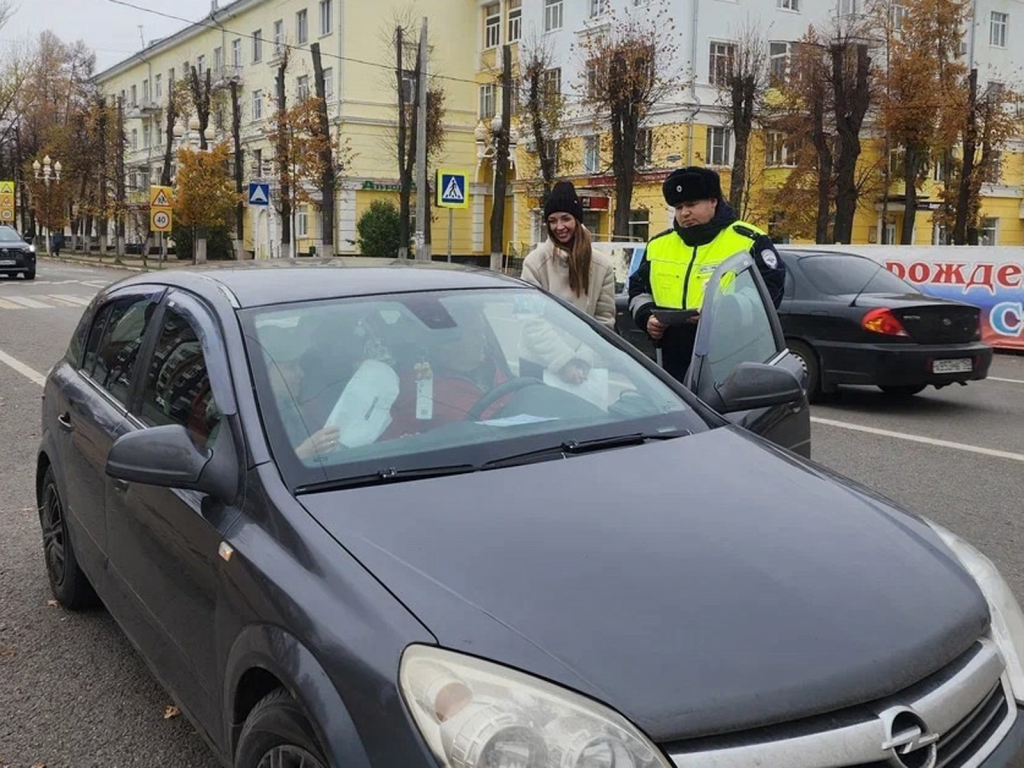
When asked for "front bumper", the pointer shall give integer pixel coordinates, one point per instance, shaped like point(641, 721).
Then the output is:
point(899, 364)
point(17, 262)
point(1010, 752)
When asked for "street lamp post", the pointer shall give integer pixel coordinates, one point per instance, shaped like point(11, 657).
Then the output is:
point(189, 136)
point(47, 172)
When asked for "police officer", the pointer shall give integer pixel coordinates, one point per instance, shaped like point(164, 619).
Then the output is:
point(679, 263)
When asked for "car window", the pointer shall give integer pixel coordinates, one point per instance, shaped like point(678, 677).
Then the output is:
point(177, 389)
point(383, 382)
point(78, 339)
point(119, 346)
point(841, 275)
point(741, 328)
point(99, 324)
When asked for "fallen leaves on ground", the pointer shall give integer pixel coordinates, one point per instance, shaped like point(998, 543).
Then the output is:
point(171, 712)
point(39, 765)
point(52, 604)
point(6, 653)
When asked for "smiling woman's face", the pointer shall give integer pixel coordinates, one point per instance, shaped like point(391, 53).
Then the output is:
point(562, 227)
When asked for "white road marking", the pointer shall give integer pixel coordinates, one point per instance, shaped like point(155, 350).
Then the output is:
point(29, 373)
point(62, 300)
point(80, 301)
point(1005, 381)
point(28, 303)
point(920, 439)
point(4, 304)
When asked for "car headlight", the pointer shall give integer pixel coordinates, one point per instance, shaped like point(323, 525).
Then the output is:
point(475, 714)
point(1007, 617)
point(31, 249)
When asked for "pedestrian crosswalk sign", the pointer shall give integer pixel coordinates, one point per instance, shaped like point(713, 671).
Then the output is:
point(452, 189)
point(259, 194)
point(160, 197)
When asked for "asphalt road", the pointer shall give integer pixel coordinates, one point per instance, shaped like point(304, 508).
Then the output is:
point(74, 693)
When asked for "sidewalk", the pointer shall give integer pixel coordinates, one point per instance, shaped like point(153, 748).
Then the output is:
point(129, 263)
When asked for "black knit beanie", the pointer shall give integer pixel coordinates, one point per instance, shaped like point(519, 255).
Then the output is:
point(563, 199)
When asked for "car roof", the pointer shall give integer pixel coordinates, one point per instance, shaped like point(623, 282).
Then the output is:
point(803, 254)
point(282, 281)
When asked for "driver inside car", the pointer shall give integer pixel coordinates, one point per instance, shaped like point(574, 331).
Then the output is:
point(460, 368)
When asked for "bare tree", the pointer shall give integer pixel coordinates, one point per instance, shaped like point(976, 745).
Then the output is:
point(541, 107)
point(852, 92)
point(501, 157)
point(328, 178)
point(743, 91)
point(628, 69)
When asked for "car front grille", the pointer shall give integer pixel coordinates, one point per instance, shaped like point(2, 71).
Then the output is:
point(968, 706)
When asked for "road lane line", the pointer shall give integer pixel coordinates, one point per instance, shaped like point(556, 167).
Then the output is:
point(79, 301)
point(1005, 381)
point(29, 373)
point(919, 439)
point(4, 304)
point(28, 303)
point(60, 300)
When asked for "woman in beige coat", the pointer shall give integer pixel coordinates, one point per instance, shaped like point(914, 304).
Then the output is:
point(567, 266)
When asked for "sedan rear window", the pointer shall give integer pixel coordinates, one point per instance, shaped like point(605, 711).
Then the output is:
point(412, 381)
point(841, 275)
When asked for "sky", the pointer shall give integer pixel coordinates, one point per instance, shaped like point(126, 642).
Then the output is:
point(112, 31)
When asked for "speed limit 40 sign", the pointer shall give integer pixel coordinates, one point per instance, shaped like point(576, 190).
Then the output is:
point(160, 220)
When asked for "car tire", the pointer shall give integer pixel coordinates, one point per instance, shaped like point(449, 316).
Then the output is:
point(809, 359)
point(277, 733)
point(69, 584)
point(30, 275)
point(903, 391)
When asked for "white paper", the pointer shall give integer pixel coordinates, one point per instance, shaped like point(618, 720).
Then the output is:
point(363, 411)
point(517, 421)
point(594, 389)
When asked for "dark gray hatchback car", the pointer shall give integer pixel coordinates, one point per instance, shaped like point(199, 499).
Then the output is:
point(360, 517)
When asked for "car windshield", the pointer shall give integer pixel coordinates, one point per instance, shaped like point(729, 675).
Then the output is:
point(418, 381)
point(8, 235)
point(842, 275)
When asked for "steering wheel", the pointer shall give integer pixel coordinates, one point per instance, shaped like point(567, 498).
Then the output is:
point(496, 394)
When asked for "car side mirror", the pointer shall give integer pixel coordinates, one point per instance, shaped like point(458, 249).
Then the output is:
point(167, 458)
point(756, 385)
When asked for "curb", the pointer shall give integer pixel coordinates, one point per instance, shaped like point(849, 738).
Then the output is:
point(92, 263)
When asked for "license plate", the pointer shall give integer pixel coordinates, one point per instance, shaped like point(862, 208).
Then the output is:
point(962, 365)
point(7, 262)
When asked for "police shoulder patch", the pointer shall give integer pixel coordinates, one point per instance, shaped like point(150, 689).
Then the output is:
point(769, 258)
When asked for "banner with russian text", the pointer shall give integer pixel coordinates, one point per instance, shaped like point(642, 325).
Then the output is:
point(989, 277)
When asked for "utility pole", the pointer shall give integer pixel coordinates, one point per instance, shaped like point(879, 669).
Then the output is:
point(422, 190)
point(328, 176)
point(501, 163)
point(119, 247)
point(236, 132)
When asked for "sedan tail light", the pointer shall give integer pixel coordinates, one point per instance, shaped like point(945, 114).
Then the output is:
point(883, 321)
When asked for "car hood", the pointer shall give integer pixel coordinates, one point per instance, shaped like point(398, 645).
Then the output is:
point(702, 585)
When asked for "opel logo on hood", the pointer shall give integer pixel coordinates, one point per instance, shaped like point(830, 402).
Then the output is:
point(909, 742)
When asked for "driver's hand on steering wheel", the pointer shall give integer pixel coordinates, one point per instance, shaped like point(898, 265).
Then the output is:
point(324, 441)
point(574, 372)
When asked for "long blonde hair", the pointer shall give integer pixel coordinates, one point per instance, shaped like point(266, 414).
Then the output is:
point(580, 254)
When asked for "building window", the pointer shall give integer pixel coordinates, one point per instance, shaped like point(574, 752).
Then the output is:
point(236, 54)
point(552, 15)
point(135, 96)
point(994, 168)
point(302, 87)
point(848, 7)
point(492, 25)
point(721, 61)
point(158, 82)
point(640, 225)
point(897, 161)
point(940, 236)
point(326, 17)
point(778, 63)
point(592, 80)
point(515, 20)
point(997, 29)
point(147, 135)
point(644, 148)
point(200, 65)
point(257, 105)
point(942, 165)
point(719, 150)
point(591, 154)
point(789, 5)
point(487, 101)
point(302, 222)
point(218, 60)
point(257, 163)
point(551, 81)
point(170, 77)
point(135, 138)
point(146, 100)
point(302, 27)
point(897, 15)
point(329, 84)
point(257, 46)
point(597, 8)
point(278, 37)
point(552, 150)
point(778, 152)
point(988, 232)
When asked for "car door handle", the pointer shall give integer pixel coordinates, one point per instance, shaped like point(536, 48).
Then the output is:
point(121, 486)
point(65, 422)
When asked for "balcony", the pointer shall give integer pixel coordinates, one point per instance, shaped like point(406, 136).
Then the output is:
point(227, 73)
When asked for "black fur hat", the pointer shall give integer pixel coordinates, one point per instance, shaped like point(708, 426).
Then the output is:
point(687, 185)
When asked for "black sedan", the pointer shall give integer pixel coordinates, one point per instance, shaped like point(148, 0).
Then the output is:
point(854, 322)
point(345, 528)
point(16, 256)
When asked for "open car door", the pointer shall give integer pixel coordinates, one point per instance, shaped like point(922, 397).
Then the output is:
point(738, 338)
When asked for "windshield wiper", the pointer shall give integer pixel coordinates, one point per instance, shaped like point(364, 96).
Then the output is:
point(577, 447)
point(385, 476)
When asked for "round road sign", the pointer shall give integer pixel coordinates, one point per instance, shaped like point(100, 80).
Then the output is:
point(161, 220)
point(6, 214)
